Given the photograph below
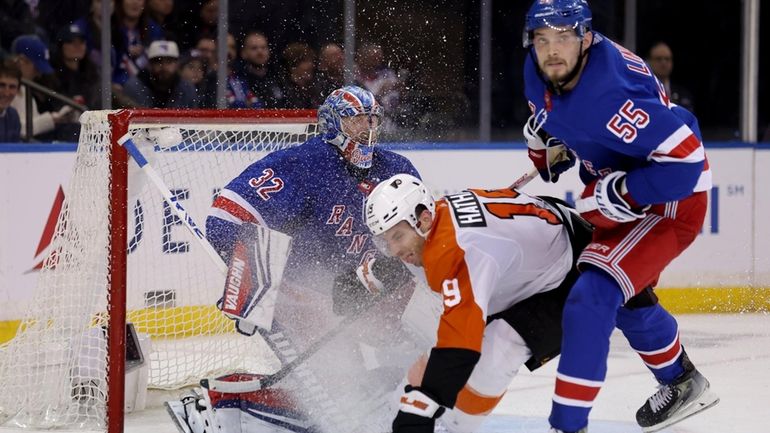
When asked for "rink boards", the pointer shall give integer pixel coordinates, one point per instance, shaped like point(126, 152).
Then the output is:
point(728, 267)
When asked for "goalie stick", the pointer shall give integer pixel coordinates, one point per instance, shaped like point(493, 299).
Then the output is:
point(269, 380)
point(286, 369)
point(127, 142)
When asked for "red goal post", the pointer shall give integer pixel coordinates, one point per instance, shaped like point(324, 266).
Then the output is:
point(105, 268)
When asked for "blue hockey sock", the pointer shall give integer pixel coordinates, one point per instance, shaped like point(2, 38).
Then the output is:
point(589, 318)
point(654, 334)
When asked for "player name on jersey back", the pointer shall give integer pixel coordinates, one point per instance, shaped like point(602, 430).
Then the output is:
point(467, 209)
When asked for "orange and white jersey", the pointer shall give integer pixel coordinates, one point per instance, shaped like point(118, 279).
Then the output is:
point(486, 251)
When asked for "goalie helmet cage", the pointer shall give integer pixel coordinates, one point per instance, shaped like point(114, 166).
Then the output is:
point(65, 368)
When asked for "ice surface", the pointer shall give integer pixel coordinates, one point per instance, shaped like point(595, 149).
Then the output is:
point(732, 351)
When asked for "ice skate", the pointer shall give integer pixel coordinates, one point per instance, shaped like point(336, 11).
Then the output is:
point(686, 396)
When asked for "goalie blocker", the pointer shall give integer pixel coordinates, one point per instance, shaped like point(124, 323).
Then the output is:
point(254, 275)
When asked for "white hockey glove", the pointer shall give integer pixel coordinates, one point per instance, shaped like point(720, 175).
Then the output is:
point(605, 202)
point(376, 276)
point(417, 412)
point(549, 154)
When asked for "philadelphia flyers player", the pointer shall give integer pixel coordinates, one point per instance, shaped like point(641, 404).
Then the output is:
point(503, 262)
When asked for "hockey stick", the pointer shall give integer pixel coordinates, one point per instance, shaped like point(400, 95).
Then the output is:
point(286, 369)
point(257, 384)
point(524, 179)
point(128, 143)
point(263, 280)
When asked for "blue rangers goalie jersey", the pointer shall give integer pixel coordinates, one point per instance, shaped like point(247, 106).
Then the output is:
point(312, 194)
point(619, 118)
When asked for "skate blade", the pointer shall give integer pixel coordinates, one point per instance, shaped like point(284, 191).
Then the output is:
point(706, 400)
point(175, 410)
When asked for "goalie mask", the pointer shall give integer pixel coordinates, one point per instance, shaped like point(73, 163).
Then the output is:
point(350, 119)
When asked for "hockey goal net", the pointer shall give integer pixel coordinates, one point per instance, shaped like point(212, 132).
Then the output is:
point(120, 255)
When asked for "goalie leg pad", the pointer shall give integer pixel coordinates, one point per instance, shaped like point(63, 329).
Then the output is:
point(270, 410)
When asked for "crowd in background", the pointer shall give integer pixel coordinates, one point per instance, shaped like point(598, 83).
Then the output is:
point(286, 54)
point(164, 60)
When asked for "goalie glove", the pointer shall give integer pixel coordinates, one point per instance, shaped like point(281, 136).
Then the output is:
point(354, 289)
point(605, 202)
point(417, 413)
point(549, 155)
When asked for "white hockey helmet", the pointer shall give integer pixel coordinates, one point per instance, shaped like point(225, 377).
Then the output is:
point(397, 199)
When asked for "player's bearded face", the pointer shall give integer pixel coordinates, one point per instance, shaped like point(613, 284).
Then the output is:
point(557, 52)
point(402, 241)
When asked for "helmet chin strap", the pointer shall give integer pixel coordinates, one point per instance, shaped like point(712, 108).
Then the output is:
point(416, 228)
point(419, 232)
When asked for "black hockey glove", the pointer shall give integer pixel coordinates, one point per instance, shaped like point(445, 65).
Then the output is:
point(354, 289)
point(418, 412)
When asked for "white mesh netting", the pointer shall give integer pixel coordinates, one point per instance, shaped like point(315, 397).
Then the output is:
point(53, 371)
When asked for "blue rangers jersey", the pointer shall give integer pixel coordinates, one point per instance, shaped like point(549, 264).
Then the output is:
point(312, 194)
point(619, 118)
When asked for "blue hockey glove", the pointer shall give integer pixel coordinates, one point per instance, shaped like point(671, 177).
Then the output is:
point(550, 155)
point(605, 202)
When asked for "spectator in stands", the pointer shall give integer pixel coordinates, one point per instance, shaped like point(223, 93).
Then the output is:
point(198, 19)
point(31, 56)
point(78, 75)
point(161, 12)
point(54, 15)
point(237, 92)
point(331, 70)
point(299, 88)
point(160, 85)
point(91, 25)
point(192, 68)
point(209, 17)
point(132, 31)
point(296, 52)
point(661, 60)
point(207, 48)
point(375, 76)
point(253, 68)
point(10, 124)
point(15, 20)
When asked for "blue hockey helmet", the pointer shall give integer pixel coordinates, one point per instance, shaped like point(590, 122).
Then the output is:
point(558, 14)
point(350, 101)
